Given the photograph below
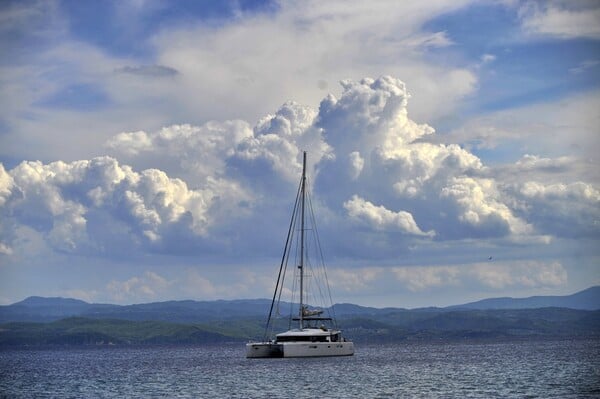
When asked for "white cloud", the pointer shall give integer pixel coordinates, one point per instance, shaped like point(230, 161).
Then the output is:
point(367, 161)
point(6, 185)
point(490, 275)
point(132, 143)
point(371, 114)
point(420, 278)
point(355, 279)
point(199, 152)
point(370, 122)
point(199, 286)
point(229, 62)
point(487, 58)
point(242, 283)
point(192, 152)
point(368, 164)
point(238, 69)
point(564, 126)
point(567, 210)
point(59, 198)
point(559, 20)
point(479, 205)
point(356, 164)
point(280, 139)
point(148, 70)
point(150, 286)
point(5, 249)
point(584, 66)
point(382, 219)
point(436, 39)
point(376, 145)
point(520, 274)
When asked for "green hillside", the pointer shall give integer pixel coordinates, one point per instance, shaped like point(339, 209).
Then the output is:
point(83, 331)
point(392, 326)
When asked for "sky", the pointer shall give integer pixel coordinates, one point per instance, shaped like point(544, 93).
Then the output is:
point(151, 150)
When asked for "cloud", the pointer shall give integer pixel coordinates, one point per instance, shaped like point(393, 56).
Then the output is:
point(200, 71)
point(487, 58)
point(232, 56)
point(566, 210)
point(5, 249)
point(477, 205)
point(374, 140)
point(281, 138)
point(416, 279)
point(382, 219)
point(61, 199)
point(130, 143)
point(242, 283)
point(197, 285)
point(567, 125)
point(183, 148)
point(520, 274)
point(149, 286)
point(369, 164)
point(379, 154)
point(373, 113)
point(490, 275)
point(562, 20)
point(585, 66)
point(194, 152)
point(354, 280)
point(156, 71)
point(436, 39)
point(6, 185)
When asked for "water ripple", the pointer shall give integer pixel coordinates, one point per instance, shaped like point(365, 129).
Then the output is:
point(533, 369)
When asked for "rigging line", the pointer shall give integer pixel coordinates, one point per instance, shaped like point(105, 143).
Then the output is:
point(308, 258)
point(281, 265)
point(291, 245)
point(318, 239)
point(287, 261)
point(312, 271)
point(289, 252)
point(317, 295)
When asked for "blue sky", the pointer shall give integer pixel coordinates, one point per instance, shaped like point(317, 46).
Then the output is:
point(150, 150)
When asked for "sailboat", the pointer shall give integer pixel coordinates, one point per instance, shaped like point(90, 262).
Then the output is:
point(316, 333)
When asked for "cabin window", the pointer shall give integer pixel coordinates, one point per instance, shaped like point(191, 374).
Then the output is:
point(303, 338)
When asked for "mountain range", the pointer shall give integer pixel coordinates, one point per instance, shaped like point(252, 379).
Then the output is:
point(65, 321)
point(41, 309)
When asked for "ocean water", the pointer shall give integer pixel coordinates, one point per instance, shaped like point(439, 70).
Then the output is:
point(530, 369)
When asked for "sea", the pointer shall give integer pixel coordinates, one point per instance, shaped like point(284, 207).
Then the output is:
point(510, 369)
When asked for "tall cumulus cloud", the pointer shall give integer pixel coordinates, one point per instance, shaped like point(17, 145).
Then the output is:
point(375, 173)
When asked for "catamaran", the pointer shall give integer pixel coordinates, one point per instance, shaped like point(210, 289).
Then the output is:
point(316, 333)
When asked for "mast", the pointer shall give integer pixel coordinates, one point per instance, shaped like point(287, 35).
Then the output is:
point(301, 266)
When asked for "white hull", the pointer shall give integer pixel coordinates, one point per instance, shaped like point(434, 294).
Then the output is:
point(299, 349)
point(263, 349)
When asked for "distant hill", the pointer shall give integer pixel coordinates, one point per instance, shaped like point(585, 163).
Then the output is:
point(83, 331)
point(588, 299)
point(394, 326)
point(39, 309)
point(63, 321)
